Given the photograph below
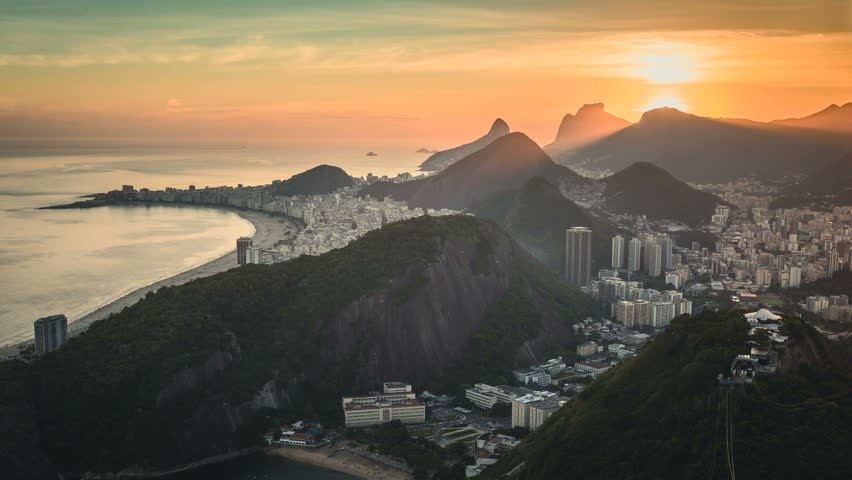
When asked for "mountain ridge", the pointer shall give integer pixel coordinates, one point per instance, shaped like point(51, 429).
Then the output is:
point(442, 159)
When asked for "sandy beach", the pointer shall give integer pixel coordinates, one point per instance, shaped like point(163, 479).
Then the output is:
point(343, 460)
point(268, 230)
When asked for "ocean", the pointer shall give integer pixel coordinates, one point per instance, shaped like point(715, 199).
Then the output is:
point(74, 261)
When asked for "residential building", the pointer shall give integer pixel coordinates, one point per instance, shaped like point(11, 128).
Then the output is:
point(624, 313)
point(578, 256)
point(50, 333)
point(617, 251)
point(667, 246)
point(586, 349)
point(634, 256)
point(653, 259)
point(532, 410)
point(243, 245)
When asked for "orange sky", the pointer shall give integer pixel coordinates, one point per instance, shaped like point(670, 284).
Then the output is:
point(421, 73)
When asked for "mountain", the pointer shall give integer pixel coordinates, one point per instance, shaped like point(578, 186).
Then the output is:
point(205, 368)
point(591, 123)
point(661, 415)
point(831, 118)
point(505, 164)
point(316, 181)
point(705, 150)
point(644, 188)
point(441, 160)
point(537, 216)
point(825, 188)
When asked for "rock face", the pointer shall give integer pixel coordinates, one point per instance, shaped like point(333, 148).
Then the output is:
point(316, 181)
point(505, 164)
point(441, 160)
point(591, 123)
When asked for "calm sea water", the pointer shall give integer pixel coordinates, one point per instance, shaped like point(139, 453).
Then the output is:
point(261, 467)
point(74, 261)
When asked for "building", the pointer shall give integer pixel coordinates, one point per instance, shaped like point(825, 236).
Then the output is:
point(634, 255)
point(641, 313)
point(396, 402)
point(243, 245)
point(532, 410)
point(588, 348)
point(485, 396)
point(667, 246)
point(50, 333)
point(530, 376)
point(662, 314)
point(595, 368)
point(617, 251)
point(624, 313)
point(578, 256)
point(833, 263)
point(795, 277)
point(653, 259)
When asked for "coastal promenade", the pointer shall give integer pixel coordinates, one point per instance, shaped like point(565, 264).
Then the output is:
point(268, 230)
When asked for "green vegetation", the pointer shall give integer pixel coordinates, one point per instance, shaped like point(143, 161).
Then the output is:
point(316, 181)
point(175, 377)
point(839, 284)
point(661, 415)
point(426, 458)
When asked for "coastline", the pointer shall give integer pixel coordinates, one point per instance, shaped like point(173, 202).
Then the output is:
point(342, 460)
point(268, 229)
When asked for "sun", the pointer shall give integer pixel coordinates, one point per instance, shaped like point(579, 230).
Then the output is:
point(666, 101)
point(663, 67)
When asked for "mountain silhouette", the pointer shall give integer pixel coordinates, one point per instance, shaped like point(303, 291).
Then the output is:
point(589, 124)
point(832, 118)
point(441, 160)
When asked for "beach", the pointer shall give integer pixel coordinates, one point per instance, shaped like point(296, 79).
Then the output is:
point(344, 459)
point(268, 230)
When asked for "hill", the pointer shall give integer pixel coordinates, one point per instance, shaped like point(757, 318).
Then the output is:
point(832, 117)
point(660, 415)
point(441, 160)
point(643, 188)
point(830, 186)
point(591, 123)
point(316, 181)
point(204, 368)
point(705, 150)
point(537, 216)
point(505, 164)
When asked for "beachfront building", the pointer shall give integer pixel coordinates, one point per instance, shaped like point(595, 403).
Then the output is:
point(243, 245)
point(50, 333)
point(397, 401)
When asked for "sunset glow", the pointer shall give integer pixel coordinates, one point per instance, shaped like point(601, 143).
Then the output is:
point(435, 72)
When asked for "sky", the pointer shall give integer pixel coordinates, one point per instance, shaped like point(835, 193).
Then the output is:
point(427, 73)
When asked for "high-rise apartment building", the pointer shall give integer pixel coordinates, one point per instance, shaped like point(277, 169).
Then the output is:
point(653, 259)
point(634, 257)
point(578, 256)
point(833, 263)
point(243, 244)
point(667, 245)
point(617, 251)
point(50, 333)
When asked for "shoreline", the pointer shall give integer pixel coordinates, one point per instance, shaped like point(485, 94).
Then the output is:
point(343, 460)
point(268, 229)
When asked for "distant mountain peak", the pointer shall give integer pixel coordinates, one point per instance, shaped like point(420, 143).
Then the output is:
point(499, 126)
point(832, 117)
point(590, 108)
point(440, 160)
point(589, 124)
point(664, 113)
